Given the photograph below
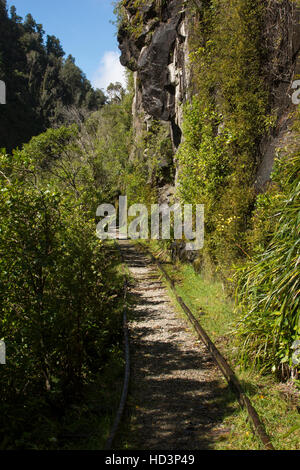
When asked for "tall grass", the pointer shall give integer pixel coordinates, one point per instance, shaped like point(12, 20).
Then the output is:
point(269, 284)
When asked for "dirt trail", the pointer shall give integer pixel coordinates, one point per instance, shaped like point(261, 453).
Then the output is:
point(177, 393)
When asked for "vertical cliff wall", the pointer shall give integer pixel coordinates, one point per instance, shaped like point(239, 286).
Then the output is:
point(154, 42)
point(281, 41)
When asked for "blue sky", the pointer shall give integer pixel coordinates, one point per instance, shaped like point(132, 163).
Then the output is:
point(85, 31)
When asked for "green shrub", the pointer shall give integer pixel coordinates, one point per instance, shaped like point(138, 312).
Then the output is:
point(59, 307)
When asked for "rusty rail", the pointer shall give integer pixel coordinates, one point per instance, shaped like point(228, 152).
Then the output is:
point(124, 395)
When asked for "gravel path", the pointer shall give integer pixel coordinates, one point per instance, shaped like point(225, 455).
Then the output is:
point(177, 393)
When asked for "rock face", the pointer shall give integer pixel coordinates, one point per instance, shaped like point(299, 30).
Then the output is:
point(153, 44)
point(281, 38)
point(153, 39)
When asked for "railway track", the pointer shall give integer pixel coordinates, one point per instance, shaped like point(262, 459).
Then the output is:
point(173, 398)
point(124, 395)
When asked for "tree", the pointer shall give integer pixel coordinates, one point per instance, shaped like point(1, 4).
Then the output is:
point(115, 92)
point(54, 47)
point(41, 83)
point(13, 14)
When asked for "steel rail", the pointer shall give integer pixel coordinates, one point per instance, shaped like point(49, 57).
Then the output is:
point(116, 424)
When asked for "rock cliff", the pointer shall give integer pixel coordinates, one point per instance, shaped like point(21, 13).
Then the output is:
point(153, 39)
point(153, 44)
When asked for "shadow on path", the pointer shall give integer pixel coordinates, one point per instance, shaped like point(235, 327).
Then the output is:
point(178, 398)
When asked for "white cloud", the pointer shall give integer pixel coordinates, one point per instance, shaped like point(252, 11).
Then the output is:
point(109, 71)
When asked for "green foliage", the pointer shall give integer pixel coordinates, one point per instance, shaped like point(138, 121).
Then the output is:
point(60, 297)
point(269, 283)
point(59, 311)
point(87, 160)
point(202, 155)
point(40, 81)
point(134, 26)
point(113, 140)
point(150, 164)
point(223, 125)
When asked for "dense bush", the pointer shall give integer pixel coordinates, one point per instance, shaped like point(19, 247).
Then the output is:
point(223, 125)
point(60, 303)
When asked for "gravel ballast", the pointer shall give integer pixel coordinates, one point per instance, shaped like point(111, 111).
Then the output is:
point(177, 398)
